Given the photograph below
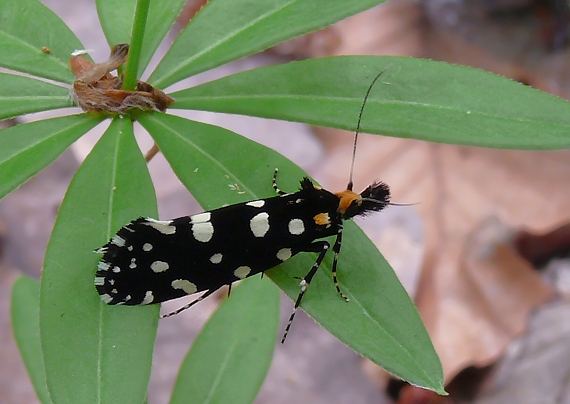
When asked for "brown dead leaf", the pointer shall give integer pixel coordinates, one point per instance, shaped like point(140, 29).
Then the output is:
point(483, 302)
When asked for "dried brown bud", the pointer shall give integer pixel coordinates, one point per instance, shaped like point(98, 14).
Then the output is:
point(96, 89)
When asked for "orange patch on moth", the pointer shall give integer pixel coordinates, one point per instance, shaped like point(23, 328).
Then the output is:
point(322, 219)
point(346, 198)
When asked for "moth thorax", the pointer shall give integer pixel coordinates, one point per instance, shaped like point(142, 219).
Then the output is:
point(373, 199)
point(346, 199)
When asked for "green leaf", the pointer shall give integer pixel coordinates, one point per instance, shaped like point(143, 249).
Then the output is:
point(26, 325)
point(231, 356)
point(27, 148)
point(414, 98)
point(380, 322)
point(228, 30)
point(208, 158)
point(23, 95)
point(96, 353)
point(27, 26)
point(117, 21)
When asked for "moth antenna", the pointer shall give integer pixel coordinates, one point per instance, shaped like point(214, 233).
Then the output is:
point(403, 204)
point(350, 183)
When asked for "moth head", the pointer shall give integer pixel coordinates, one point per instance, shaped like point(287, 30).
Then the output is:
point(373, 199)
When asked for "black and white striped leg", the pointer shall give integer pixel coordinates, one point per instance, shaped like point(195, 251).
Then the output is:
point(275, 187)
point(321, 247)
point(336, 250)
point(192, 303)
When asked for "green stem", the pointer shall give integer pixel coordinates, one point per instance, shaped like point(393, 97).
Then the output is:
point(133, 60)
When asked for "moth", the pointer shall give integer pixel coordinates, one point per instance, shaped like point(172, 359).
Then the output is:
point(152, 261)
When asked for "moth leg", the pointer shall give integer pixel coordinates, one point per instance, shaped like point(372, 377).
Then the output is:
point(321, 247)
point(229, 289)
point(192, 303)
point(336, 250)
point(274, 183)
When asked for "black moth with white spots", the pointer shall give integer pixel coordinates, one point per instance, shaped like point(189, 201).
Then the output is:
point(150, 261)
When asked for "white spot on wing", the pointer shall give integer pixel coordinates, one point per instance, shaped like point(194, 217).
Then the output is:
point(159, 266)
point(242, 272)
point(165, 227)
point(259, 224)
point(116, 269)
point(133, 263)
point(284, 254)
point(99, 281)
point(103, 266)
point(203, 231)
point(185, 285)
point(106, 298)
point(296, 227)
point(256, 204)
point(118, 241)
point(216, 258)
point(148, 297)
point(147, 247)
point(200, 218)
